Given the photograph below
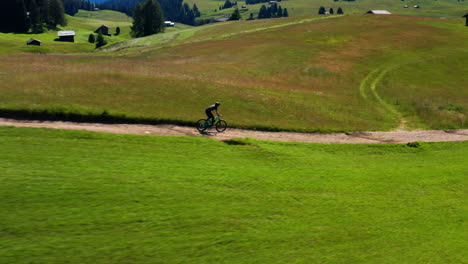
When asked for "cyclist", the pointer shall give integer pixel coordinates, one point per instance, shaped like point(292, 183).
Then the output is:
point(209, 111)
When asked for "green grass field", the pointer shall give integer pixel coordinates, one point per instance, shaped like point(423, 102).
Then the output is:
point(348, 73)
point(84, 197)
point(438, 8)
point(83, 23)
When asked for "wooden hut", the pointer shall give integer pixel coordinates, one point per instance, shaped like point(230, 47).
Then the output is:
point(104, 29)
point(35, 42)
point(68, 35)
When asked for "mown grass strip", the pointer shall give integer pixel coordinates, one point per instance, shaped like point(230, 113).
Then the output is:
point(77, 196)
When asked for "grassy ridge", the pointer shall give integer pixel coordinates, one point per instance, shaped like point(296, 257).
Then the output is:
point(440, 8)
point(74, 197)
point(292, 74)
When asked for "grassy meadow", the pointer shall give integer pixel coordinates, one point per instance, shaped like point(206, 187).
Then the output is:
point(83, 23)
point(334, 73)
point(86, 197)
point(431, 8)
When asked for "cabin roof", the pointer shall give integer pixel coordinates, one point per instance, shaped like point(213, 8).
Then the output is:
point(223, 19)
point(33, 40)
point(379, 12)
point(66, 33)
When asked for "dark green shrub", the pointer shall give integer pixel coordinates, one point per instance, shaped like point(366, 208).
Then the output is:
point(91, 38)
point(415, 144)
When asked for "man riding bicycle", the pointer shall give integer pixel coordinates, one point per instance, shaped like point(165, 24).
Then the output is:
point(209, 111)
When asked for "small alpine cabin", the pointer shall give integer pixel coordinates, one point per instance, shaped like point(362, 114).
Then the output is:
point(35, 42)
point(104, 29)
point(68, 35)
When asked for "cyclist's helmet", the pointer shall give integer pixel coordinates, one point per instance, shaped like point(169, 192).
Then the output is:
point(217, 103)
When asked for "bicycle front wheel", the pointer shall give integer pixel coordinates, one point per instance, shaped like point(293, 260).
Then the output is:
point(221, 125)
point(202, 125)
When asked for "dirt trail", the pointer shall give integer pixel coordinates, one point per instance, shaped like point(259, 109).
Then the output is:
point(230, 133)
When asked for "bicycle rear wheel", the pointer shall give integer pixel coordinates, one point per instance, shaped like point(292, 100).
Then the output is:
point(202, 125)
point(221, 125)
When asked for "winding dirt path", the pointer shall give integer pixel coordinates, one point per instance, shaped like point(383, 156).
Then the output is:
point(230, 133)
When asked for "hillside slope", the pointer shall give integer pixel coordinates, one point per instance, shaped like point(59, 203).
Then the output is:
point(302, 74)
point(439, 8)
point(82, 197)
point(83, 23)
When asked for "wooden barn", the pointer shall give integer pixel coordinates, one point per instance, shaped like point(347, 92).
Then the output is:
point(104, 29)
point(68, 35)
point(35, 42)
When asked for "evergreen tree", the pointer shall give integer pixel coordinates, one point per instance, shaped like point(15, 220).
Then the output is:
point(280, 11)
point(100, 41)
point(13, 16)
point(196, 11)
point(274, 10)
point(117, 31)
point(331, 11)
point(235, 15)
point(20, 19)
point(285, 12)
point(340, 11)
point(268, 13)
point(57, 13)
point(33, 16)
point(138, 18)
point(263, 12)
point(91, 38)
point(251, 17)
point(227, 4)
point(321, 10)
point(147, 19)
point(44, 10)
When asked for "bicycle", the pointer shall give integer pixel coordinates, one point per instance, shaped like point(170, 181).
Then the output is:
point(204, 124)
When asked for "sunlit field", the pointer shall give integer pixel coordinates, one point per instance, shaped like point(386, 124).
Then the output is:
point(348, 73)
point(439, 8)
point(82, 197)
point(83, 23)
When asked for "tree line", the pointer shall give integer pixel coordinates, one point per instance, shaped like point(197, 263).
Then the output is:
point(72, 6)
point(272, 11)
point(148, 19)
point(252, 2)
point(173, 10)
point(323, 11)
point(227, 4)
point(21, 16)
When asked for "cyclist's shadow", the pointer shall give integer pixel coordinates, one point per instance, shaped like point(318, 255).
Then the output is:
point(208, 133)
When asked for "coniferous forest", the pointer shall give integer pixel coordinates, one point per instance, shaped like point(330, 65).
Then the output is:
point(174, 10)
point(36, 15)
point(23, 16)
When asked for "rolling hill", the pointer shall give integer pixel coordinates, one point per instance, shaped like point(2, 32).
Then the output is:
point(439, 8)
point(333, 73)
point(83, 23)
point(87, 197)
